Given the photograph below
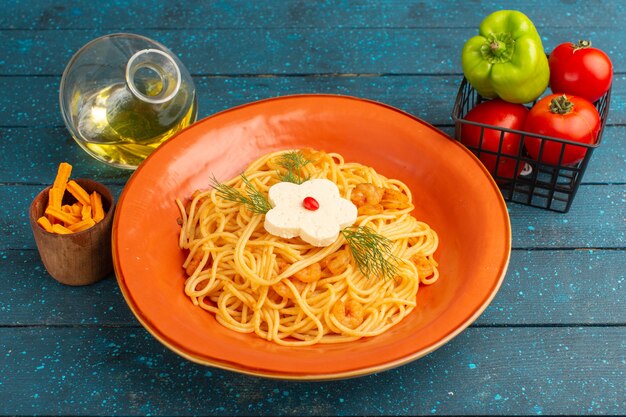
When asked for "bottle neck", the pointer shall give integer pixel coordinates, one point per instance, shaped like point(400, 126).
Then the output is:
point(153, 76)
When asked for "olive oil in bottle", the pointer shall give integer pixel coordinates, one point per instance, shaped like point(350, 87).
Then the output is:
point(123, 95)
point(121, 130)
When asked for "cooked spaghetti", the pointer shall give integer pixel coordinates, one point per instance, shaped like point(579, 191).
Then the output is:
point(288, 291)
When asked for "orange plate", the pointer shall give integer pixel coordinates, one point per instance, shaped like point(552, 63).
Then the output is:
point(451, 189)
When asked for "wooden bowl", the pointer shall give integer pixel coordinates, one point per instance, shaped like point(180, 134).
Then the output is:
point(80, 258)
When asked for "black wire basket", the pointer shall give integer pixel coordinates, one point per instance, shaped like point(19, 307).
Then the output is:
point(548, 186)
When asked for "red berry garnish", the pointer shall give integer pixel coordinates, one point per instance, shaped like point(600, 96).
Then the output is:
point(310, 203)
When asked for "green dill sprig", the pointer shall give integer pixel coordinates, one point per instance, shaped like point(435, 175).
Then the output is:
point(253, 200)
point(371, 251)
point(293, 162)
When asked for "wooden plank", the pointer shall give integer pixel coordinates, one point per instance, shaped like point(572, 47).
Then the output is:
point(199, 14)
point(570, 287)
point(567, 287)
point(285, 51)
point(46, 148)
point(484, 371)
point(31, 297)
point(552, 342)
point(608, 162)
point(54, 144)
point(596, 220)
point(52, 14)
point(16, 232)
point(33, 101)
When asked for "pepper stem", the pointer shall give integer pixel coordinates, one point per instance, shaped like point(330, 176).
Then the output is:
point(498, 48)
point(561, 105)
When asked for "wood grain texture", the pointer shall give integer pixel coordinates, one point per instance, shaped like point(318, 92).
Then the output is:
point(48, 146)
point(123, 14)
point(54, 144)
point(286, 51)
point(34, 102)
point(561, 287)
point(594, 221)
point(484, 371)
point(552, 342)
point(31, 297)
point(14, 221)
point(541, 288)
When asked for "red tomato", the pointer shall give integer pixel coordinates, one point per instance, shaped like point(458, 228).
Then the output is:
point(564, 117)
point(501, 114)
point(580, 70)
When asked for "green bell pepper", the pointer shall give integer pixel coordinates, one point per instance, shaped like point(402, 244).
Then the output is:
point(506, 59)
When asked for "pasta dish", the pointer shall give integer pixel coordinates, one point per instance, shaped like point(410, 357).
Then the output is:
point(276, 253)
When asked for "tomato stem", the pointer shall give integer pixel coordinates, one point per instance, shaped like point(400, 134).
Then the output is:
point(582, 44)
point(561, 105)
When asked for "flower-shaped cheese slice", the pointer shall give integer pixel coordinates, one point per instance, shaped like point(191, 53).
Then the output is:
point(319, 226)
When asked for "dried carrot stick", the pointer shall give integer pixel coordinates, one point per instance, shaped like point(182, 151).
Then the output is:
point(97, 211)
point(77, 191)
point(63, 175)
point(85, 212)
point(81, 215)
point(55, 197)
point(81, 225)
point(45, 223)
point(77, 209)
point(61, 230)
point(61, 215)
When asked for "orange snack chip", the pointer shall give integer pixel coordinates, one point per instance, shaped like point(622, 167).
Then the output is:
point(81, 225)
point(60, 230)
point(97, 211)
point(70, 218)
point(85, 212)
point(77, 210)
point(78, 192)
point(61, 215)
point(55, 197)
point(63, 175)
point(45, 223)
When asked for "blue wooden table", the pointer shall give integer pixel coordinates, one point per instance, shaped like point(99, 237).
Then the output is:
point(553, 342)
